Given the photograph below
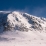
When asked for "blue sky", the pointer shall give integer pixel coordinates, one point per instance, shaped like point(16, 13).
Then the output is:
point(35, 7)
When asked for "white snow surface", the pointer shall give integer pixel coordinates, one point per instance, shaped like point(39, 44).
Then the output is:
point(23, 30)
point(18, 38)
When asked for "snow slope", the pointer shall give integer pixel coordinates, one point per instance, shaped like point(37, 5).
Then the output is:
point(22, 29)
point(19, 38)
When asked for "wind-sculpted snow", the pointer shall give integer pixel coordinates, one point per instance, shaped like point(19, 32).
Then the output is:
point(21, 21)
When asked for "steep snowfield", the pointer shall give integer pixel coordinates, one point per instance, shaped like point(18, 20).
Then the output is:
point(22, 29)
point(18, 38)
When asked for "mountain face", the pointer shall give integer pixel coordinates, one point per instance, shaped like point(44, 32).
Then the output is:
point(21, 21)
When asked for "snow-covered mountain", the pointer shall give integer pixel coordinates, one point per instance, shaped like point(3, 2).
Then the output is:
point(22, 29)
point(21, 21)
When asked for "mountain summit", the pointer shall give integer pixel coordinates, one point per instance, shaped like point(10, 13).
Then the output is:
point(22, 29)
point(21, 21)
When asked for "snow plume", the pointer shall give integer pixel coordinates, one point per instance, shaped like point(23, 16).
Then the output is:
point(39, 11)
